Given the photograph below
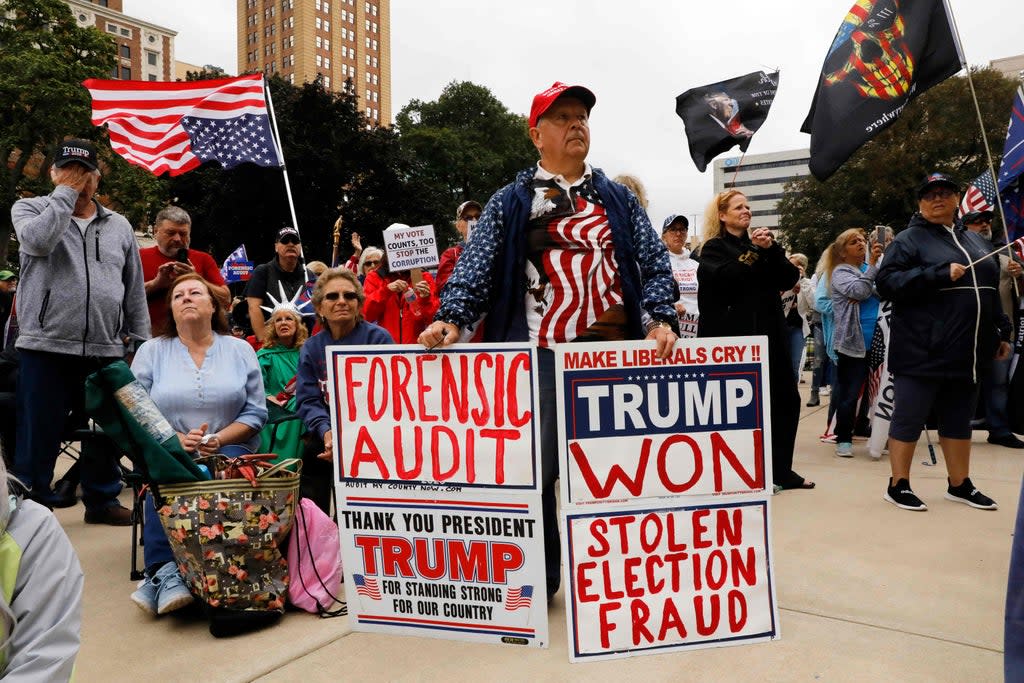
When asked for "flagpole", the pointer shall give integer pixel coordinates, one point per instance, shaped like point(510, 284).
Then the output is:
point(280, 154)
point(981, 122)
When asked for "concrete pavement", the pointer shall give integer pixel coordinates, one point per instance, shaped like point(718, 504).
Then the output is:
point(866, 592)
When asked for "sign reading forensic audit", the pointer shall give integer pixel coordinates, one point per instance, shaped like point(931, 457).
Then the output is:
point(410, 248)
point(632, 425)
point(462, 417)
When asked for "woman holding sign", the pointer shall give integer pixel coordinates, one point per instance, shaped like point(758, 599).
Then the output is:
point(398, 304)
point(337, 299)
point(739, 278)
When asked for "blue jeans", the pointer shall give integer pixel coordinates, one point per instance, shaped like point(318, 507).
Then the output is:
point(155, 546)
point(995, 390)
point(823, 369)
point(51, 388)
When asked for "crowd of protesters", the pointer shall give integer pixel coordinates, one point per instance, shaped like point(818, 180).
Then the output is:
point(516, 257)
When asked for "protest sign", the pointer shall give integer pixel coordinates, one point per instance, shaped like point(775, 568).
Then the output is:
point(465, 568)
point(632, 425)
point(656, 579)
point(461, 417)
point(237, 271)
point(410, 247)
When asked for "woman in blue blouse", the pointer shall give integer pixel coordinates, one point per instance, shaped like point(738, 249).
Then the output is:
point(208, 385)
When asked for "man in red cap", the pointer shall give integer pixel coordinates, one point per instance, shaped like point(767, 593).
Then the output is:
point(561, 254)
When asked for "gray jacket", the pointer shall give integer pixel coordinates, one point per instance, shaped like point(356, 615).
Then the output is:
point(77, 295)
point(849, 288)
point(42, 573)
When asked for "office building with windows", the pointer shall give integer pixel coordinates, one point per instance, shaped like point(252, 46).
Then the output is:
point(342, 41)
point(762, 177)
point(145, 51)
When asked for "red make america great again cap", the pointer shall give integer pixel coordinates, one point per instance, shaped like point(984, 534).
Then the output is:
point(543, 100)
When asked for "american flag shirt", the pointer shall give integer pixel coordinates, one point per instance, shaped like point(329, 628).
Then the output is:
point(573, 287)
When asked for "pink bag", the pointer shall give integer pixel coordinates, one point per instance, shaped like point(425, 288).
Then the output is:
point(314, 561)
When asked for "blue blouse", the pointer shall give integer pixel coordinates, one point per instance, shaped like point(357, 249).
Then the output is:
point(227, 388)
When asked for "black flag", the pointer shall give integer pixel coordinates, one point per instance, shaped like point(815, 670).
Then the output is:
point(720, 116)
point(885, 53)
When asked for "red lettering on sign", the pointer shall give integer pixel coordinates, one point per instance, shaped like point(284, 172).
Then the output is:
point(606, 625)
point(454, 390)
point(401, 373)
point(365, 450)
point(720, 448)
point(482, 414)
point(351, 383)
point(423, 388)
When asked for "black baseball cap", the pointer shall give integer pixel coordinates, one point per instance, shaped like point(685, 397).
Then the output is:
point(975, 216)
point(937, 180)
point(76, 151)
point(286, 231)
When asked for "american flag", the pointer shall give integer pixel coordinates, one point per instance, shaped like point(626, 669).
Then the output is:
point(1011, 171)
point(876, 361)
point(516, 598)
point(980, 195)
point(176, 126)
point(366, 587)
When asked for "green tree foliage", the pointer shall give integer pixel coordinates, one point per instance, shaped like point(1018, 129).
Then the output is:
point(467, 144)
point(44, 57)
point(938, 131)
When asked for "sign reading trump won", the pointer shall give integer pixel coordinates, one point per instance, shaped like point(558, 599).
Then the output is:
point(665, 509)
point(437, 475)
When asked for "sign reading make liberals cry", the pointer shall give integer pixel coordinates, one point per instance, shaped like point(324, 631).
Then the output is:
point(665, 512)
point(437, 476)
point(635, 426)
point(409, 248)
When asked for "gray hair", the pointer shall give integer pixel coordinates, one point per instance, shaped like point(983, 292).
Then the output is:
point(368, 252)
point(173, 214)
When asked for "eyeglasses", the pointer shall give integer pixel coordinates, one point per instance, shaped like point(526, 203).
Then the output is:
point(289, 239)
point(334, 296)
point(985, 221)
point(937, 194)
point(369, 262)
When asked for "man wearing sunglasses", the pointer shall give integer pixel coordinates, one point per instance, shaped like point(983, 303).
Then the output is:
point(995, 385)
point(284, 269)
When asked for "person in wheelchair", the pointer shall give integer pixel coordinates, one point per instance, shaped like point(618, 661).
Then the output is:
point(208, 386)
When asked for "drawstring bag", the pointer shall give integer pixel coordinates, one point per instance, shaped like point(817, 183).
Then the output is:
point(314, 561)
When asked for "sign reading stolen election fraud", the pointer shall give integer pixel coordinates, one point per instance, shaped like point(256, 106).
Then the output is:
point(665, 468)
point(437, 479)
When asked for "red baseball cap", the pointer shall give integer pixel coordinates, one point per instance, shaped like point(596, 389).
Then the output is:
point(542, 101)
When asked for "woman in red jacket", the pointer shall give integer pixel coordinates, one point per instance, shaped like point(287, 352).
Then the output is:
point(402, 308)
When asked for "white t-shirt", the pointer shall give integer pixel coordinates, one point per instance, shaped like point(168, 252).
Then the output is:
point(684, 270)
point(82, 223)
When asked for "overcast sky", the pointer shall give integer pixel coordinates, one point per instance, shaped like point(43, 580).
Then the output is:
point(635, 56)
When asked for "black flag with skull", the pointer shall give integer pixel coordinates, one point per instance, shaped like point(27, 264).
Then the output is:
point(885, 53)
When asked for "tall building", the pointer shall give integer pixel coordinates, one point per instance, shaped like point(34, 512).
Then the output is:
point(340, 40)
point(145, 51)
point(761, 178)
point(1012, 67)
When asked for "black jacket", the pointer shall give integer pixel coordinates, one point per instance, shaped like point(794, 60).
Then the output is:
point(738, 287)
point(941, 328)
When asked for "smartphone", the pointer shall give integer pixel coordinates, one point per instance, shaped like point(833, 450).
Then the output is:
point(181, 256)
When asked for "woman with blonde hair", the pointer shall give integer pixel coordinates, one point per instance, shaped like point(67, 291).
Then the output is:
point(739, 279)
point(279, 361)
point(854, 312)
point(634, 185)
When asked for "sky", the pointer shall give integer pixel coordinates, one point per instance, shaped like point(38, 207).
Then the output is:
point(636, 57)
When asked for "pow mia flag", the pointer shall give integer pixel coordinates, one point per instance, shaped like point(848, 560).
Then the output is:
point(722, 115)
point(885, 53)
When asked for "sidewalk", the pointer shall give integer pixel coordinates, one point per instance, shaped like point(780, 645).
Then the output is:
point(866, 592)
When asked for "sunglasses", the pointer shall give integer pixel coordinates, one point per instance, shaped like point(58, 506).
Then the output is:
point(334, 296)
point(289, 239)
point(369, 262)
point(937, 194)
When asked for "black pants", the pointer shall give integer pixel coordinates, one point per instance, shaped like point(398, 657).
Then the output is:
point(850, 379)
point(549, 467)
point(785, 406)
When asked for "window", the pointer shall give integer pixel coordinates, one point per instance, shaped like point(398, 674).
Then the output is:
point(374, 24)
point(327, 44)
point(319, 23)
point(113, 72)
point(151, 58)
point(152, 39)
point(327, 62)
point(352, 35)
point(327, 80)
point(126, 73)
point(292, 60)
point(126, 33)
point(367, 60)
point(319, 61)
point(126, 52)
point(82, 18)
point(367, 43)
point(319, 42)
point(344, 15)
point(373, 10)
point(375, 45)
point(318, 5)
point(291, 78)
point(327, 7)
point(367, 76)
point(367, 24)
point(367, 95)
point(367, 7)
point(374, 97)
point(374, 62)
point(327, 25)
point(111, 28)
point(152, 77)
point(375, 79)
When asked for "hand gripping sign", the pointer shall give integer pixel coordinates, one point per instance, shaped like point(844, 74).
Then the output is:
point(409, 248)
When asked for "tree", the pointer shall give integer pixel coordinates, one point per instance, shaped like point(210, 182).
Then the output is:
point(44, 58)
point(937, 131)
point(466, 144)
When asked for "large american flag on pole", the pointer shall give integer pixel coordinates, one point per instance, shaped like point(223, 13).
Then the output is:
point(176, 126)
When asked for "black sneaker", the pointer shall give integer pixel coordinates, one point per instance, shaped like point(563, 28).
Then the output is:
point(1006, 440)
point(968, 495)
point(901, 496)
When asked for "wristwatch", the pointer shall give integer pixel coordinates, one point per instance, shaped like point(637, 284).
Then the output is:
point(658, 323)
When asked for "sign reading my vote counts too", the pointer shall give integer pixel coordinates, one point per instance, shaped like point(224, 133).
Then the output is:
point(410, 248)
